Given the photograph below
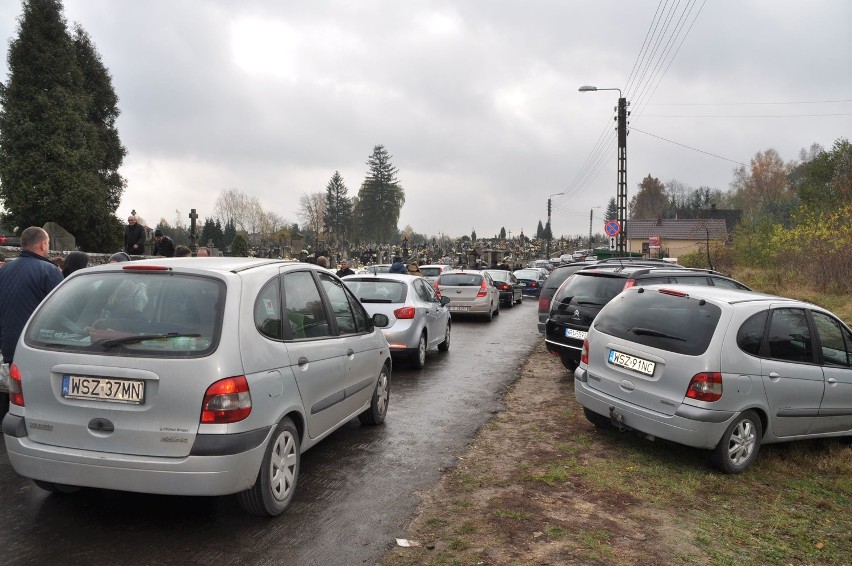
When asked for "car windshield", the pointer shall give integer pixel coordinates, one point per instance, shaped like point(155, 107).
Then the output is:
point(461, 279)
point(528, 274)
point(372, 290)
point(149, 314)
point(669, 322)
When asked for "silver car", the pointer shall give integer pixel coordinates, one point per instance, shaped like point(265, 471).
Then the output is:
point(191, 376)
point(431, 272)
point(721, 369)
point(419, 318)
point(470, 292)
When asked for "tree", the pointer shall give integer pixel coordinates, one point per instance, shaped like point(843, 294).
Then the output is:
point(473, 235)
point(338, 208)
point(239, 247)
point(611, 210)
point(380, 198)
point(824, 182)
point(503, 233)
point(539, 231)
point(229, 233)
point(59, 148)
point(311, 212)
point(650, 200)
point(764, 187)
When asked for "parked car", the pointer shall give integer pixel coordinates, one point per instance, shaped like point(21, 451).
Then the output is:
point(378, 268)
point(192, 376)
point(419, 319)
point(510, 288)
point(580, 298)
point(554, 280)
point(541, 264)
point(470, 292)
point(431, 272)
point(717, 368)
point(532, 278)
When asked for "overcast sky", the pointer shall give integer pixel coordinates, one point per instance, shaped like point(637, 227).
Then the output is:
point(477, 101)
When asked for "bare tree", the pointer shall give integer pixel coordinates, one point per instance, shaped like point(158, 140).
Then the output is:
point(312, 211)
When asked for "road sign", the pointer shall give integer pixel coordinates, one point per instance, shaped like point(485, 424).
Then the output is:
point(612, 243)
point(612, 228)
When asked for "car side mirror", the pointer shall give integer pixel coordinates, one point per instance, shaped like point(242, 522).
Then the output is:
point(444, 300)
point(380, 320)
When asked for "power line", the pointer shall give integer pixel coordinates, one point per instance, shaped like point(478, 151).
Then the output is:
point(743, 115)
point(747, 103)
point(688, 147)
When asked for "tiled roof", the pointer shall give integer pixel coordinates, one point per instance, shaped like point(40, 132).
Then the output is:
point(677, 229)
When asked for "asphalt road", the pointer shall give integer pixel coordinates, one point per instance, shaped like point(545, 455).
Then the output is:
point(357, 490)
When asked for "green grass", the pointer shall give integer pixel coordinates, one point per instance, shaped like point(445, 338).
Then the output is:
point(511, 514)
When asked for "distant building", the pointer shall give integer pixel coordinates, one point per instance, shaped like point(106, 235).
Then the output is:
point(674, 237)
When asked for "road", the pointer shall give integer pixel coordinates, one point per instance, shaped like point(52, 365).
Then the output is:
point(358, 488)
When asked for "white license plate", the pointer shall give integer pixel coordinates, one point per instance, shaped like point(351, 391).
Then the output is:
point(631, 362)
point(459, 308)
point(103, 389)
point(578, 334)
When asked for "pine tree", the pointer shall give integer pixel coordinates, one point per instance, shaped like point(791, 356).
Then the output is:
point(338, 208)
point(380, 199)
point(539, 231)
point(611, 210)
point(229, 233)
point(503, 233)
point(59, 150)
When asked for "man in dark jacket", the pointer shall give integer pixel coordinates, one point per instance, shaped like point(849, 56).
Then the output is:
point(163, 245)
point(344, 269)
point(134, 237)
point(23, 284)
point(397, 266)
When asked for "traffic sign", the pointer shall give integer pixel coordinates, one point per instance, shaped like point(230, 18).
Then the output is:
point(612, 228)
point(612, 243)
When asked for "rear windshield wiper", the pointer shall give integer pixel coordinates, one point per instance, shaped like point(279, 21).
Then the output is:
point(657, 333)
point(363, 300)
point(107, 344)
point(594, 303)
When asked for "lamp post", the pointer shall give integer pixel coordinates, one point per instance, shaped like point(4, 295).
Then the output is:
point(590, 226)
point(621, 205)
point(549, 227)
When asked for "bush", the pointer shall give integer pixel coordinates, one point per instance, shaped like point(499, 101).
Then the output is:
point(239, 246)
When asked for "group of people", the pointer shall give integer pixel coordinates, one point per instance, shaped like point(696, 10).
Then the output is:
point(134, 242)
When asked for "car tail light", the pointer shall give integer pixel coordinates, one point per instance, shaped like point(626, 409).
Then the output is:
point(706, 386)
point(543, 304)
point(674, 293)
point(630, 283)
point(503, 287)
point(533, 283)
point(584, 353)
point(226, 401)
point(483, 289)
point(437, 289)
point(405, 313)
point(16, 392)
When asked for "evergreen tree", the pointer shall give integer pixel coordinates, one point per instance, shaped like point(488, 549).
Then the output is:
point(611, 210)
point(546, 233)
point(239, 246)
point(539, 231)
point(503, 233)
point(338, 208)
point(473, 235)
point(59, 149)
point(380, 199)
point(229, 233)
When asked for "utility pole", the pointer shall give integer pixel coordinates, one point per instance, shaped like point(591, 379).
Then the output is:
point(549, 227)
point(621, 203)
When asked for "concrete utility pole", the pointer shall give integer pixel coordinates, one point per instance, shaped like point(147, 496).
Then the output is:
point(549, 227)
point(621, 200)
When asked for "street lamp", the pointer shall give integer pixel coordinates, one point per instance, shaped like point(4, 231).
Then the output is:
point(621, 206)
point(549, 227)
point(590, 226)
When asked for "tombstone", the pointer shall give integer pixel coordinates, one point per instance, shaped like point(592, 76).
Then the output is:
point(61, 239)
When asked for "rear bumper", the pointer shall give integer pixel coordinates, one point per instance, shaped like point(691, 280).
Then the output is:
point(572, 352)
point(702, 428)
point(206, 475)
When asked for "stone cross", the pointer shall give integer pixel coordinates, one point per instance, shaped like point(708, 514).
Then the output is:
point(193, 216)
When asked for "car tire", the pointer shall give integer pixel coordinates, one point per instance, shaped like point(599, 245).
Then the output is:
point(511, 302)
point(418, 357)
point(597, 419)
point(57, 487)
point(738, 448)
point(378, 409)
point(4, 404)
point(275, 486)
point(490, 316)
point(497, 310)
point(445, 345)
point(520, 298)
point(569, 363)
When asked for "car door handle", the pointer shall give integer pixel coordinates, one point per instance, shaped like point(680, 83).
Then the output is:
point(303, 361)
point(832, 381)
point(350, 352)
point(774, 375)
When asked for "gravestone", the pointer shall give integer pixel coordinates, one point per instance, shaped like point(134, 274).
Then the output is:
point(61, 240)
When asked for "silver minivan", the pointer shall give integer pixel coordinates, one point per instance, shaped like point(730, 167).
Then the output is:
point(192, 376)
point(721, 369)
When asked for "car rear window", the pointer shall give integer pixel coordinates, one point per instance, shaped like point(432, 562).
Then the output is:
point(560, 274)
point(132, 313)
point(372, 290)
point(587, 289)
point(460, 279)
point(430, 271)
point(528, 274)
point(660, 320)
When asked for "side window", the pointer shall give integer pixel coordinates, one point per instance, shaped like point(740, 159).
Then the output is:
point(834, 340)
point(422, 291)
point(682, 280)
point(652, 280)
point(339, 304)
point(362, 323)
point(726, 283)
point(267, 310)
point(750, 334)
point(789, 336)
point(304, 308)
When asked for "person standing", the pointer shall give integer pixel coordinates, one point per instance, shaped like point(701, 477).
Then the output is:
point(25, 282)
point(202, 252)
point(344, 268)
point(397, 266)
point(163, 245)
point(134, 237)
